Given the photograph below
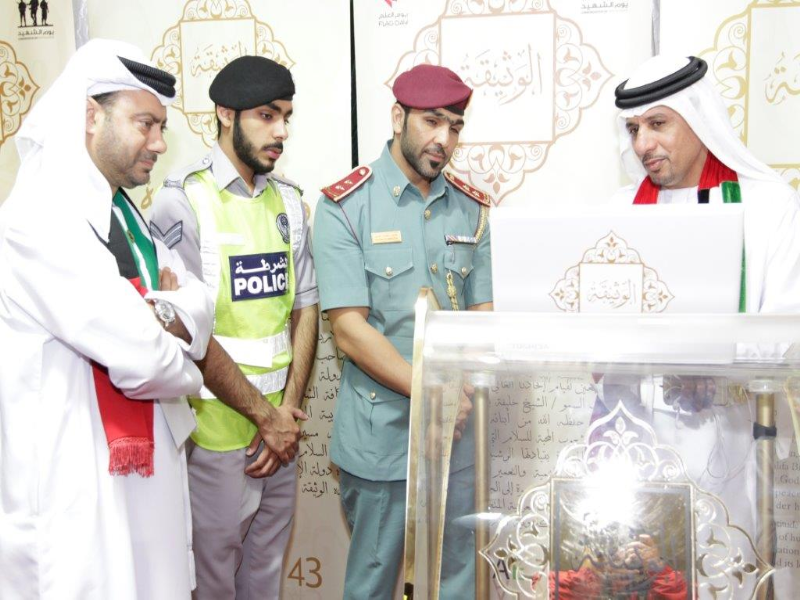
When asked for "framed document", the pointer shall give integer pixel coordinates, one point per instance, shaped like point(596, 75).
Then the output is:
point(612, 542)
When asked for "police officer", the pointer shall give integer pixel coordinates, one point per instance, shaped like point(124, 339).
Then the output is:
point(244, 231)
point(381, 233)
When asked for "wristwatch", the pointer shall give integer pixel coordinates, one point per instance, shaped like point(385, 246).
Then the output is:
point(165, 312)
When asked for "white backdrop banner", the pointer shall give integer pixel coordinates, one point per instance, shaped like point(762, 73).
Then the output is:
point(753, 52)
point(194, 40)
point(36, 41)
point(540, 127)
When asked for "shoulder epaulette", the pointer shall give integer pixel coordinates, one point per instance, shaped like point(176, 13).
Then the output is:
point(178, 178)
point(287, 181)
point(345, 186)
point(473, 192)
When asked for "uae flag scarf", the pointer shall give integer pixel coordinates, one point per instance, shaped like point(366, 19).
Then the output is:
point(128, 423)
point(714, 174)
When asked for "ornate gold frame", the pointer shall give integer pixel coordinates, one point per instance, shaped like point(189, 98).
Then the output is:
point(168, 55)
point(501, 166)
point(729, 65)
point(720, 550)
point(17, 90)
point(612, 250)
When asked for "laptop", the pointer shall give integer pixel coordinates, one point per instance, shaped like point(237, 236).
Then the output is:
point(618, 259)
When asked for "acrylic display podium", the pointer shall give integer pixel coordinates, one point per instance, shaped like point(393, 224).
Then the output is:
point(598, 456)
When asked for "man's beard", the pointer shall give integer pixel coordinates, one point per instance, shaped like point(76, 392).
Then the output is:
point(116, 164)
point(426, 167)
point(246, 152)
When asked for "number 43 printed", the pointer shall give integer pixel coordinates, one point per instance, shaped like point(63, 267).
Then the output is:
point(312, 577)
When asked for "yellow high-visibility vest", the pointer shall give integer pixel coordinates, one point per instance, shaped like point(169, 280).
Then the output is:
point(247, 246)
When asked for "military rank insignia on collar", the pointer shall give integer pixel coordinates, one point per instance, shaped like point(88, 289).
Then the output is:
point(473, 192)
point(344, 187)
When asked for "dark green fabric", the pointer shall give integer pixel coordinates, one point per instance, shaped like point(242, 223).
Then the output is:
point(140, 240)
point(732, 194)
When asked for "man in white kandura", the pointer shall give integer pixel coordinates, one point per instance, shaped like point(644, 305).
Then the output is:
point(93, 501)
point(678, 146)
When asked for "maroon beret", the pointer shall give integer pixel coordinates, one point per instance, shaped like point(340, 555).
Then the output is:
point(432, 86)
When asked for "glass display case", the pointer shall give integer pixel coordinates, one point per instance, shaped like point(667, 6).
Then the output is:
point(603, 456)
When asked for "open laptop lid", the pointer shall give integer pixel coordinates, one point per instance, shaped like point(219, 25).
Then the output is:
point(618, 259)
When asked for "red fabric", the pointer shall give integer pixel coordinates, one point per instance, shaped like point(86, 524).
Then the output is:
point(714, 173)
point(586, 584)
point(431, 86)
point(647, 192)
point(128, 423)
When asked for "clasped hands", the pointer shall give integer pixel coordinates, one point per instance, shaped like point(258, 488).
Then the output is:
point(277, 426)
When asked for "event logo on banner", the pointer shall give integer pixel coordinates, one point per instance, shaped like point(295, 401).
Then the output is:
point(611, 278)
point(34, 20)
point(756, 64)
point(532, 76)
point(16, 91)
point(211, 34)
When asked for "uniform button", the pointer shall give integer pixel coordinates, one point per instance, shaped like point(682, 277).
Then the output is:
point(463, 271)
point(396, 191)
point(427, 213)
point(372, 395)
point(434, 268)
point(389, 271)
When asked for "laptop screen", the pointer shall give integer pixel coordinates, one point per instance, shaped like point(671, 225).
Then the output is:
point(618, 259)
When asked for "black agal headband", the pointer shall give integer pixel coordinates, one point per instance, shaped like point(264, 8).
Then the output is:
point(156, 79)
point(666, 86)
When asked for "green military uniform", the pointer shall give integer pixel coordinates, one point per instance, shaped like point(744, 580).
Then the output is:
point(375, 247)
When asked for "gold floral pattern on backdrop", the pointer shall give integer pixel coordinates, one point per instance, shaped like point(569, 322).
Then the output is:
point(611, 277)
point(755, 65)
point(211, 34)
point(531, 79)
point(17, 90)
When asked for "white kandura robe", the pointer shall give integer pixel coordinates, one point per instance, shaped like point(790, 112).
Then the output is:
point(68, 529)
point(771, 239)
point(717, 447)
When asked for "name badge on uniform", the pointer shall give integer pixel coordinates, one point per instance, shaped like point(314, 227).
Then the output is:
point(460, 239)
point(256, 276)
point(386, 237)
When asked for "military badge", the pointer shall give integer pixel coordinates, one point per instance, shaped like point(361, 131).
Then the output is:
point(283, 227)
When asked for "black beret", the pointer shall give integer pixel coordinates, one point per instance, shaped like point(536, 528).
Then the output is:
point(251, 81)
